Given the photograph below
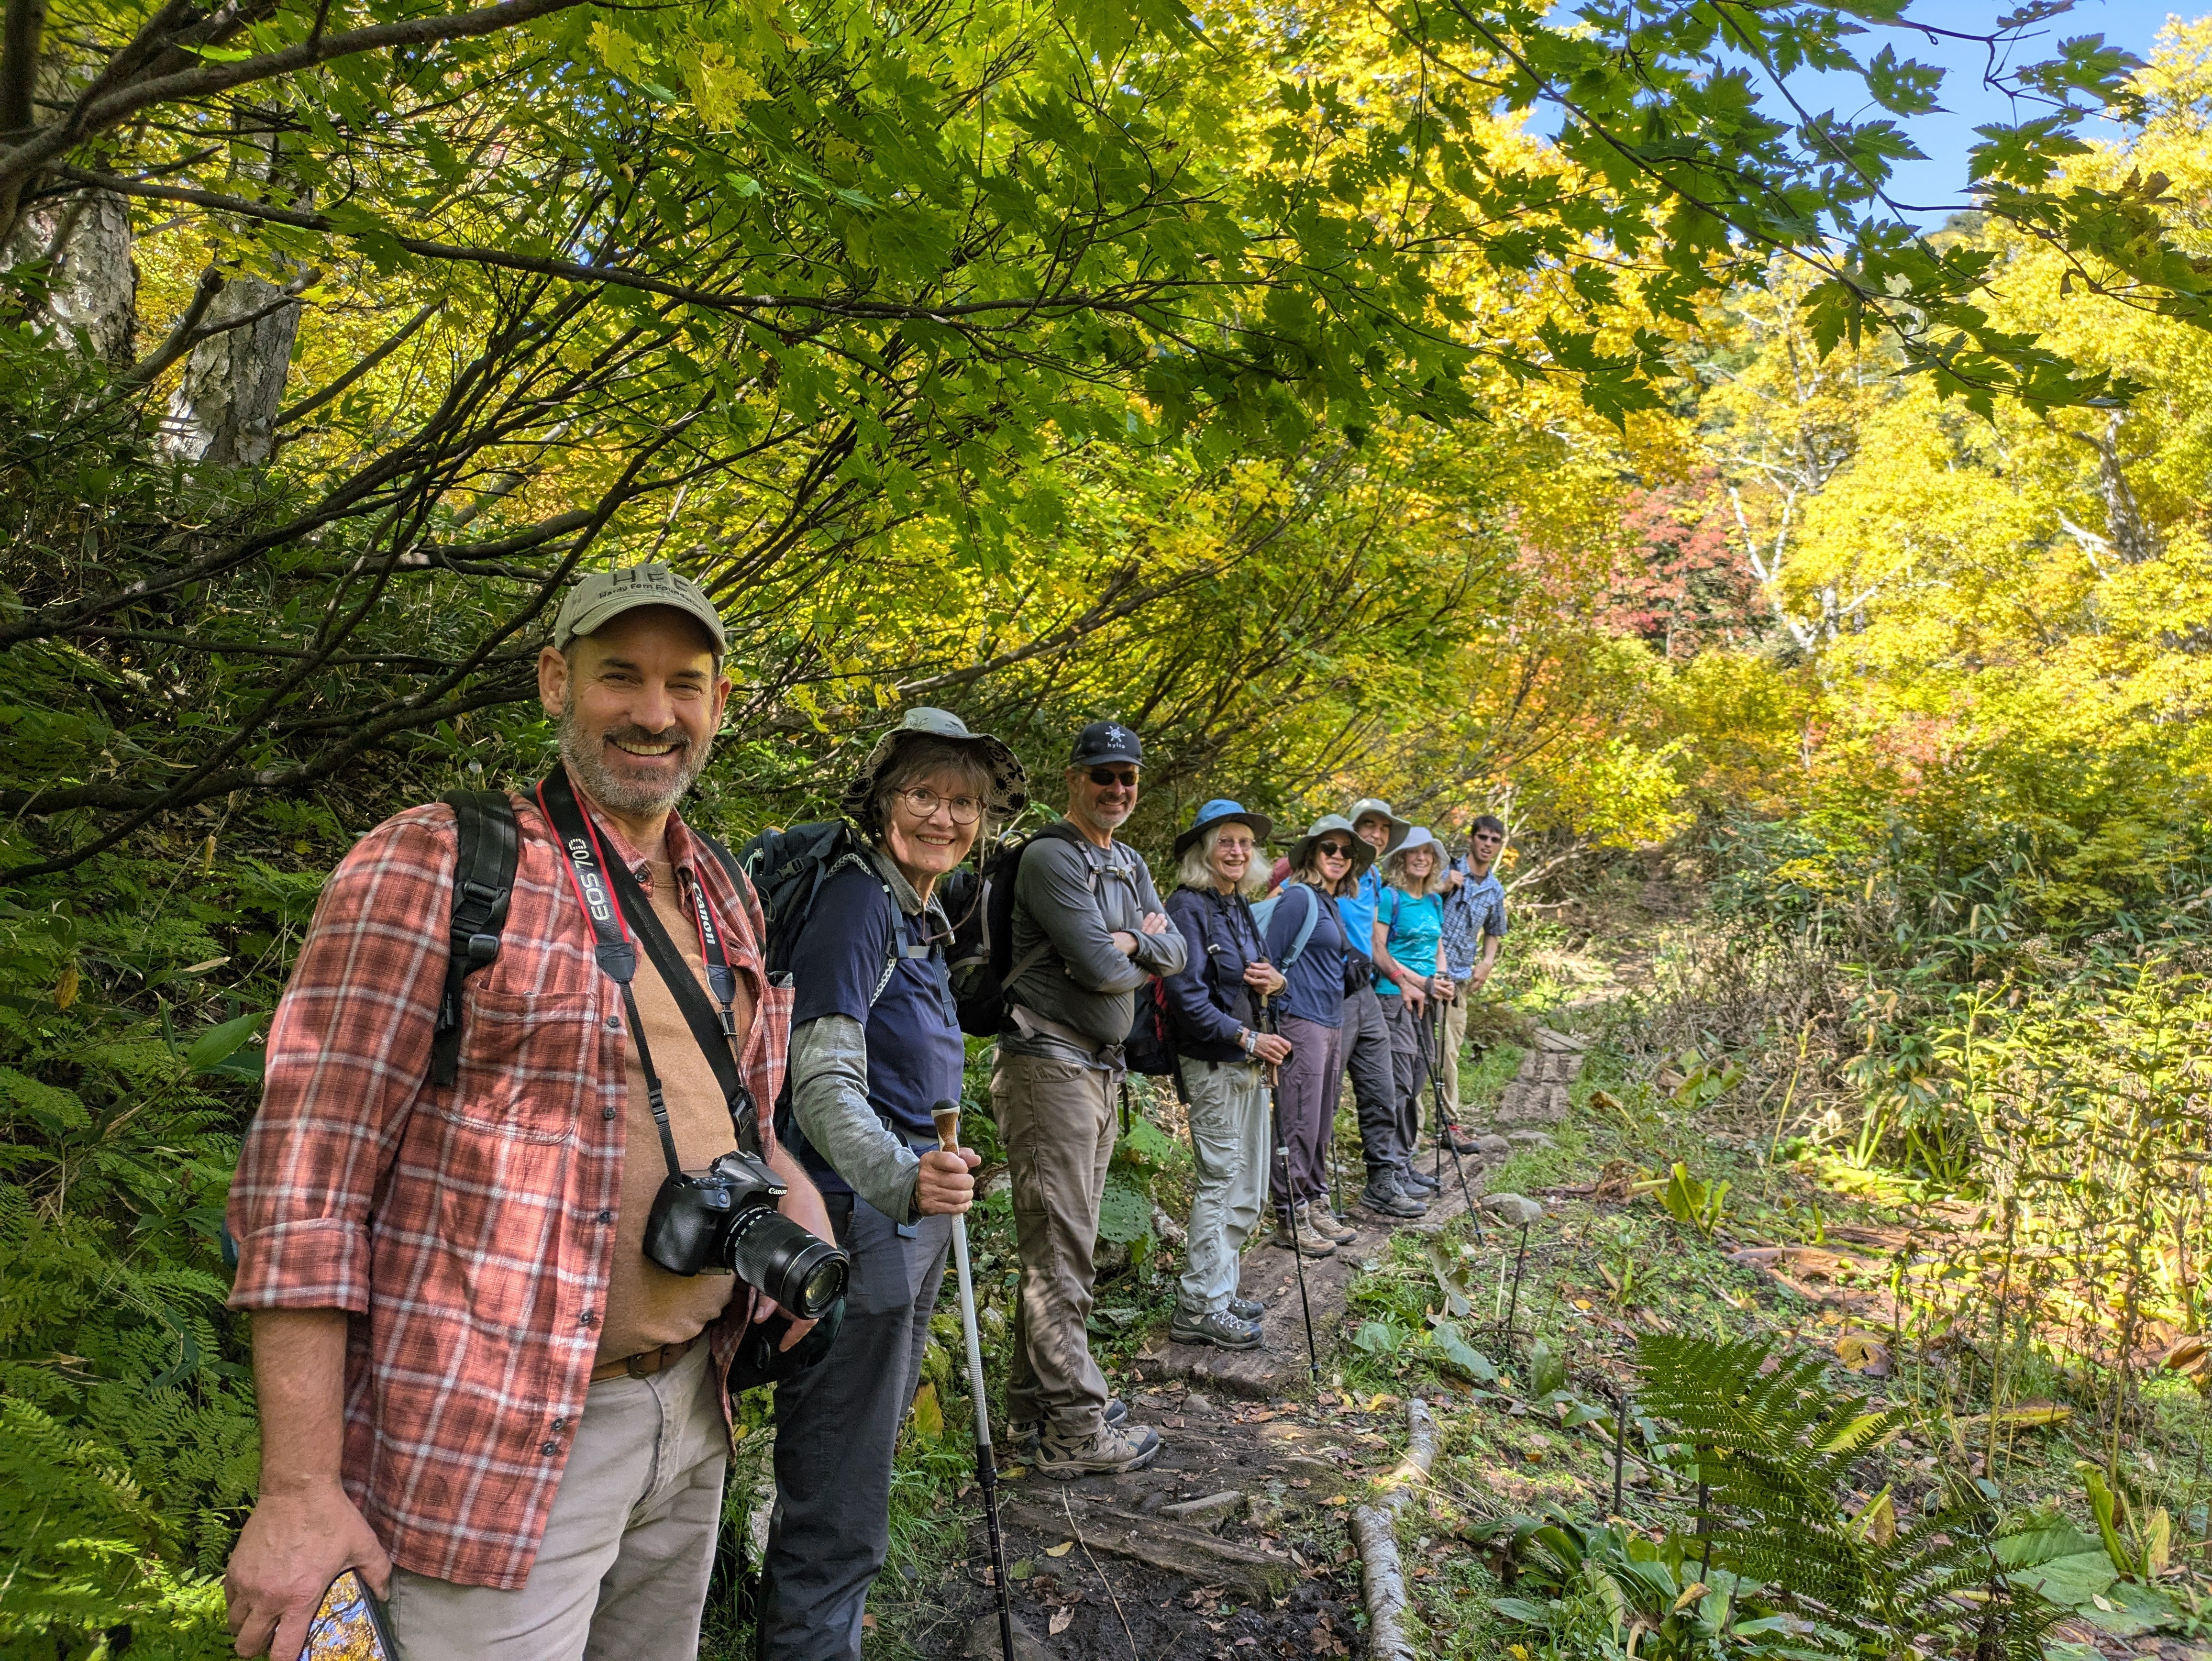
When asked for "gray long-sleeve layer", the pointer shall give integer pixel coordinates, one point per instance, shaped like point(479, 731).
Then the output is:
point(1071, 897)
point(829, 1089)
point(829, 1094)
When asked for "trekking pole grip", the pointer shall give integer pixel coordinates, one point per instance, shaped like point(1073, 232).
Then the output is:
point(946, 1117)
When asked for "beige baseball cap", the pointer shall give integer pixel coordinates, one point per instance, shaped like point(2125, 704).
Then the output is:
point(600, 598)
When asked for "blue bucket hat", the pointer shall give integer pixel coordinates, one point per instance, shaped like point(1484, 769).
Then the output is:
point(1221, 810)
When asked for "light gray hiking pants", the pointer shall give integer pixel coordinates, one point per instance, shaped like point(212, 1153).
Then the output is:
point(621, 1570)
point(1230, 1142)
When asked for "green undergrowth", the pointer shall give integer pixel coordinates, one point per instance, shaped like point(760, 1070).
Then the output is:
point(1508, 1546)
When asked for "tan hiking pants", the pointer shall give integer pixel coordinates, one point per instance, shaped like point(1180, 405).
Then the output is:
point(1057, 1120)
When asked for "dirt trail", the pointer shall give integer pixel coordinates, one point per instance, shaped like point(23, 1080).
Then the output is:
point(1233, 1543)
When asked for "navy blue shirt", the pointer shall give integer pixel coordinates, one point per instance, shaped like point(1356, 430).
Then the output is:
point(1207, 999)
point(1315, 992)
point(914, 1050)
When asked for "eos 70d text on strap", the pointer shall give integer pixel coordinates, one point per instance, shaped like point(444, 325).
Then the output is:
point(723, 1220)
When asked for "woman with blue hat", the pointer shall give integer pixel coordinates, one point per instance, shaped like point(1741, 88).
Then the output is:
point(1215, 1016)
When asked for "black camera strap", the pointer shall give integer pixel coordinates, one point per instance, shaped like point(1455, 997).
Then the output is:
point(618, 908)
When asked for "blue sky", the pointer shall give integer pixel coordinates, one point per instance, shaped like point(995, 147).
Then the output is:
point(1939, 183)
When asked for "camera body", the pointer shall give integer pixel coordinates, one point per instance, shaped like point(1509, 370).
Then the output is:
point(723, 1220)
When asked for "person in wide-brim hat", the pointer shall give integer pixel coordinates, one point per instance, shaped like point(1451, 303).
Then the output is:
point(1222, 811)
point(1006, 794)
point(1301, 850)
point(1373, 807)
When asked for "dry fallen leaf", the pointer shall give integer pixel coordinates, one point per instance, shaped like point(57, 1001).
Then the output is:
point(1863, 1354)
point(1060, 1550)
point(1061, 1620)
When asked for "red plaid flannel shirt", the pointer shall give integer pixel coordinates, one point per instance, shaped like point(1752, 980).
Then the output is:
point(468, 1229)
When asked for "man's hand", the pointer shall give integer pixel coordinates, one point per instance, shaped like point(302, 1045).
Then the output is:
point(943, 1187)
point(1125, 942)
point(1411, 992)
point(1272, 1048)
point(1453, 878)
point(1441, 986)
point(1264, 978)
point(297, 1542)
point(1156, 923)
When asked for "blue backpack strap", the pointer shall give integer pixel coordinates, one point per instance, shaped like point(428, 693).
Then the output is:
point(1305, 929)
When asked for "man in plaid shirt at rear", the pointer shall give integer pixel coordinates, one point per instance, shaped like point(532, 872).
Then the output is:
point(474, 1386)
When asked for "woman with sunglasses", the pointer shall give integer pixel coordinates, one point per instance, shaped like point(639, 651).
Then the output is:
point(1305, 940)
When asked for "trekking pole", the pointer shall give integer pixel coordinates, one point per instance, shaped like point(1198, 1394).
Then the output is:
point(1290, 1211)
point(1447, 1133)
point(947, 1116)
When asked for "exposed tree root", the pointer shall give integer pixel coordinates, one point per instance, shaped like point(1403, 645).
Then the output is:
point(1374, 1535)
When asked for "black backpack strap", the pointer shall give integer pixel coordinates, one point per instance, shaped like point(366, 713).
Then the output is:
point(484, 857)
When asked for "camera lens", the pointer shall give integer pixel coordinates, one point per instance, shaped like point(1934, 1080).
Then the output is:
point(801, 1271)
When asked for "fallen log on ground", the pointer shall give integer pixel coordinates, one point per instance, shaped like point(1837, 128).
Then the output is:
point(1374, 1535)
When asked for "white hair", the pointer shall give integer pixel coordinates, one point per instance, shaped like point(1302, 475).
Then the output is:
point(1197, 871)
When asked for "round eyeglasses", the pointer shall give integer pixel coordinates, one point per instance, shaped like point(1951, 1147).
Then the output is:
point(964, 810)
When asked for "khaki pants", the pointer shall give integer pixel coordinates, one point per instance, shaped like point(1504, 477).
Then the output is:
point(621, 1570)
point(1229, 1141)
point(1057, 1120)
point(1455, 1045)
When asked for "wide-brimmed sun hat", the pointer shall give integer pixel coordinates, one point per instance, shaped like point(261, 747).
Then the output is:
point(1418, 837)
point(1376, 805)
point(1008, 793)
point(1222, 811)
point(1301, 850)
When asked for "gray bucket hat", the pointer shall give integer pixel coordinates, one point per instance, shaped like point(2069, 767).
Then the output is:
point(1301, 850)
point(1009, 789)
point(1375, 805)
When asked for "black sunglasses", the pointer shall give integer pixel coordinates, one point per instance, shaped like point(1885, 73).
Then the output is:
point(1335, 848)
point(1123, 775)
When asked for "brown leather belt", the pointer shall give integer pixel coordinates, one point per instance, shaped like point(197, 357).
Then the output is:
point(644, 1364)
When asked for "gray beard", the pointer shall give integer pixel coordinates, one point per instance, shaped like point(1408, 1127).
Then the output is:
point(583, 755)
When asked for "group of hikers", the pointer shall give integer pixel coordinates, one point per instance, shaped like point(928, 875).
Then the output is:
point(487, 1380)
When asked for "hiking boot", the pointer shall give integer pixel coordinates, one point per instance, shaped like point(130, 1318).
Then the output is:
point(1217, 1327)
point(1417, 1184)
point(1305, 1244)
point(1383, 1199)
point(1244, 1309)
point(1024, 1432)
point(1453, 1139)
point(1114, 1449)
point(1325, 1225)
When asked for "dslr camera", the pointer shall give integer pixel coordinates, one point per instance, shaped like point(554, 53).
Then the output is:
point(723, 1220)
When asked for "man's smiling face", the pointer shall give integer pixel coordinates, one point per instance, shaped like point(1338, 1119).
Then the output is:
point(639, 702)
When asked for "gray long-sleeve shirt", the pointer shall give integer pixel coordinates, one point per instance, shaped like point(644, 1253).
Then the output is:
point(1070, 897)
point(829, 1089)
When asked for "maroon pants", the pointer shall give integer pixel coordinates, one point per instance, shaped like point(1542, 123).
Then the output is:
point(1303, 1097)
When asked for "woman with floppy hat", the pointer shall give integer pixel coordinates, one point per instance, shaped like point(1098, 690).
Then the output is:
point(1214, 1013)
point(875, 1044)
point(1305, 940)
point(1410, 970)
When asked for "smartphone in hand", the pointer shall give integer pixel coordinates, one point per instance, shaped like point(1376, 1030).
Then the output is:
point(349, 1626)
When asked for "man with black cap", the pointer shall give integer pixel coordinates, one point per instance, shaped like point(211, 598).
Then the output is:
point(475, 1387)
point(1088, 931)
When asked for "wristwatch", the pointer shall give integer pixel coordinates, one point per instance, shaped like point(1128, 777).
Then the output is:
point(1247, 1039)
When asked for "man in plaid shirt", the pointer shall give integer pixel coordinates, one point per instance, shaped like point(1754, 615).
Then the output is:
point(474, 1386)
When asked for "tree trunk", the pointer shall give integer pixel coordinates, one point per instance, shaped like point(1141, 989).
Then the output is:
point(224, 409)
